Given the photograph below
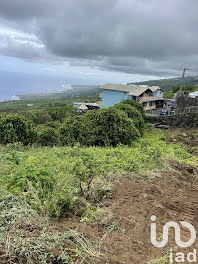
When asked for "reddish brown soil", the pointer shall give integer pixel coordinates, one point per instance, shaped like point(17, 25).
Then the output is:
point(171, 196)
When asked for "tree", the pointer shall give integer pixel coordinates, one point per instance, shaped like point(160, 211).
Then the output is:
point(14, 128)
point(108, 127)
point(48, 137)
point(133, 114)
point(135, 104)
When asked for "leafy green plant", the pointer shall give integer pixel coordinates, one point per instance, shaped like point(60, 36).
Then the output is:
point(133, 114)
point(48, 137)
point(14, 128)
point(108, 127)
point(135, 104)
point(47, 192)
point(15, 213)
point(59, 180)
point(59, 113)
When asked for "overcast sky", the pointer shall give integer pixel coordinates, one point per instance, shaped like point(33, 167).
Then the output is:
point(99, 40)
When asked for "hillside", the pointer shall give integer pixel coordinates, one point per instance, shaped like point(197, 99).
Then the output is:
point(167, 84)
point(70, 92)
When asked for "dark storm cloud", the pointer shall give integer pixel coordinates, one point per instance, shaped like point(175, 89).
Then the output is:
point(150, 37)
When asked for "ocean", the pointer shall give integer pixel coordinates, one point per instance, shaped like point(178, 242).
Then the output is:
point(14, 84)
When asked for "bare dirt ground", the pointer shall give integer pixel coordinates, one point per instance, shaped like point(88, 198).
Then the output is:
point(171, 196)
point(187, 137)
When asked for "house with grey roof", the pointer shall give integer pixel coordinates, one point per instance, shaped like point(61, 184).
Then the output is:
point(84, 107)
point(114, 93)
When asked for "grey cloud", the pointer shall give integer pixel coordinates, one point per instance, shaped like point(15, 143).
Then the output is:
point(22, 50)
point(152, 37)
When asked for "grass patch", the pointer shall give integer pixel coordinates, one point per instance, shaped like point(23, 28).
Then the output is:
point(64, 248)
point(38, 183)
point(25, 238)
point(61, 179)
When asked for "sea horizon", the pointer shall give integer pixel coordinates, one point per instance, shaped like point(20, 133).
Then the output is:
point(12, 85)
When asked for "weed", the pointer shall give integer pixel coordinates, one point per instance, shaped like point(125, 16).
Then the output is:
point(162, 260)
point(66, 248)
point(61, 179)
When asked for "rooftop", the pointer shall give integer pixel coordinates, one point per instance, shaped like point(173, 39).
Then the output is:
point(131, 89)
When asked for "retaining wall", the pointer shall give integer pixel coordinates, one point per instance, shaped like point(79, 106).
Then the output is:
point(179, 120)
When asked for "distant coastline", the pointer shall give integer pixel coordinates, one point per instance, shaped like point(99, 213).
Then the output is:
point(67, 91)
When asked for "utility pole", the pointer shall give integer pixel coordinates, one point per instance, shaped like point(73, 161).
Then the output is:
point(182, 82)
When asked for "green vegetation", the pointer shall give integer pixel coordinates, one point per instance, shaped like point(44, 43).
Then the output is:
point(133, 114)
point(19, 105)
point(108, 127)
point(48, 137)
point(75, 92)
point(19, 245)
point(167, 84)
point(14, 128)
point(135, 104)
point(54, 164)
point(50, 178)
point(175, 89)
point(163, 260)
point(41, 183)
point(121, 124)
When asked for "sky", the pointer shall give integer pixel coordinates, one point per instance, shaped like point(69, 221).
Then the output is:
point(98, 41)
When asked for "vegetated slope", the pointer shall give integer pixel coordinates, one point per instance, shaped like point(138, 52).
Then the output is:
point(124, 228)
point(107, 219)
point(70, 92)
point(167, 84)
point(43, 103)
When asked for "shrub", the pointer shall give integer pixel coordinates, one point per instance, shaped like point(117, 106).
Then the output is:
point(133, 114)
point(72, 131)
point(113, 127)
point(59, 113)
point(54, 124)
point(37, 116)
point(41, 116)
point(108, 127)
point(135, 104)
point(14, 128)
point(48, 137)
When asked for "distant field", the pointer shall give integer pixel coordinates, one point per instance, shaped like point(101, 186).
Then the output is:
point(74, 91)
point(22, 104)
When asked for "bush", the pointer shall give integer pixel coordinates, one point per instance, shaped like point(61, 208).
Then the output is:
point(113, 127)
point(135, 104)
point(14, 128)
point(133, 114)
point(37, 116)
point(108, 127)
point(48, 137)
point(79, 129)
point(59, 113)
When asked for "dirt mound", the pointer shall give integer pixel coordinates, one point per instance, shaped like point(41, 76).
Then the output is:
point(171, 196)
